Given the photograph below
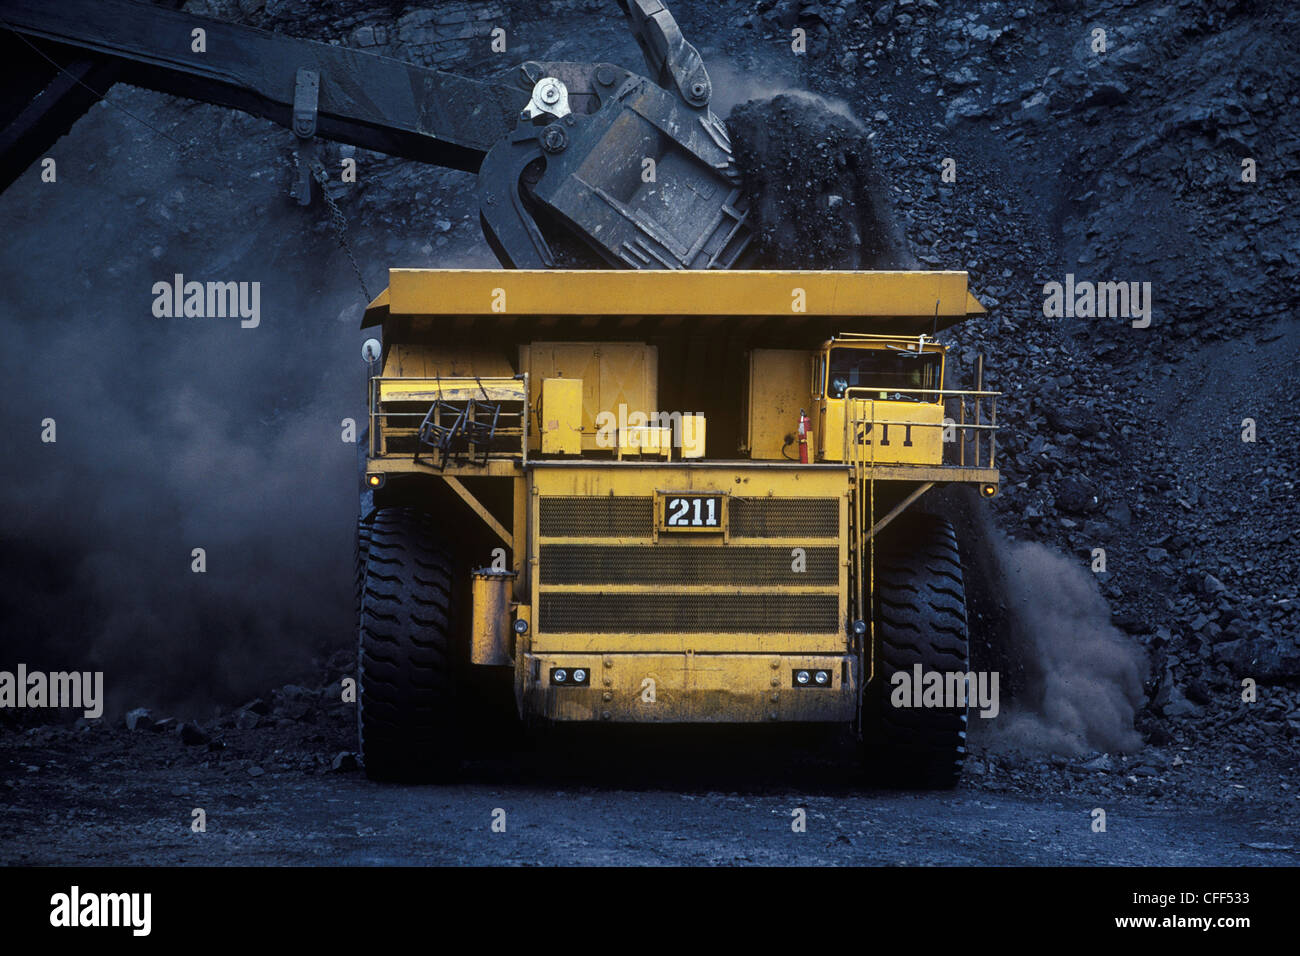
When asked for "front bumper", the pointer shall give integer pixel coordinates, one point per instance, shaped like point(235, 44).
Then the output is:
point(688, 688)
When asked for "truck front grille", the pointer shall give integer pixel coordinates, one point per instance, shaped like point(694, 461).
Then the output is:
point(666, 612)
point(595, 516)
point(678, 564)
point(785, 517)
point(774, 579)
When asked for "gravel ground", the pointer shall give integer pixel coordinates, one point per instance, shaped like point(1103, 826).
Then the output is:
point(105, 796)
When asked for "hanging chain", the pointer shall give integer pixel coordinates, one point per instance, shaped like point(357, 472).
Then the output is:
point(340, 224)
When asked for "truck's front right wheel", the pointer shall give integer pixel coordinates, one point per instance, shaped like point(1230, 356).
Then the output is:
point(920, 621)
point(406, 713)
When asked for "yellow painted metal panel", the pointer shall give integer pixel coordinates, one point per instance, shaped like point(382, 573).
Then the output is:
point(495, 468)
point(420, 360)
point(506, 293)
point(756, 481)
point(519, 553)
point(645, 440)
point(896, 432)
point(649, 591)
point(696, 541)
point(561, 425)
point(694, 429)
point(490, 632)
point(613, 374)
point(779, 386)
point(590, 485)
point(701, 643)
point(451, 390)
point(377, 310)
point(689, 688)
point(830, 430)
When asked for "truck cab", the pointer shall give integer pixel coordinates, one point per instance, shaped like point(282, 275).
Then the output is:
point(882, 393)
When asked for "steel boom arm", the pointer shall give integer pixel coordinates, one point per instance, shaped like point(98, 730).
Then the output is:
point(639, 170)
point(370, 101)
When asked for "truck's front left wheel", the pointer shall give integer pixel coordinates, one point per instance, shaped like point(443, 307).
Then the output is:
point(407, 661)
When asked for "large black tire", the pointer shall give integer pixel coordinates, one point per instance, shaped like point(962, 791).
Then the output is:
point(364, 529)
point(407, 660)
point(920, 605)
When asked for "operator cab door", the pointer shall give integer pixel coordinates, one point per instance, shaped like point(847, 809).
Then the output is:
point(889, 391)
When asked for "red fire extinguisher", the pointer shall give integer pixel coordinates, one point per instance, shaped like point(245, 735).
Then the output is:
point(803, 437)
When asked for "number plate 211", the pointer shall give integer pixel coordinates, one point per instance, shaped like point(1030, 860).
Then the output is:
point(690, 512)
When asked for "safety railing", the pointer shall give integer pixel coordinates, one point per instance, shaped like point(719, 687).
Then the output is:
point(467, 420)
point(938, 428)
point(941, 427)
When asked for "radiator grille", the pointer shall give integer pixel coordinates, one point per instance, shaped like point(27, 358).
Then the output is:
point(596, 516)
point(666, 612)
point(666, 568)
point(670, 564)
point(785, 517)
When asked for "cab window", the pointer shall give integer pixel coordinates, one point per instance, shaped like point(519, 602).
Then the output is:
point(889, 374)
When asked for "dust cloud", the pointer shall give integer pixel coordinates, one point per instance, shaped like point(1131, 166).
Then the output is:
point(1082, 681)
point(174, 433)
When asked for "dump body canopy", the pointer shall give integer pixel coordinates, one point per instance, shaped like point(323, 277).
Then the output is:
point(772, 308)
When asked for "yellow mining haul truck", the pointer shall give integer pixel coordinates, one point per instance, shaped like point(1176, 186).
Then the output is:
point(664, 497)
